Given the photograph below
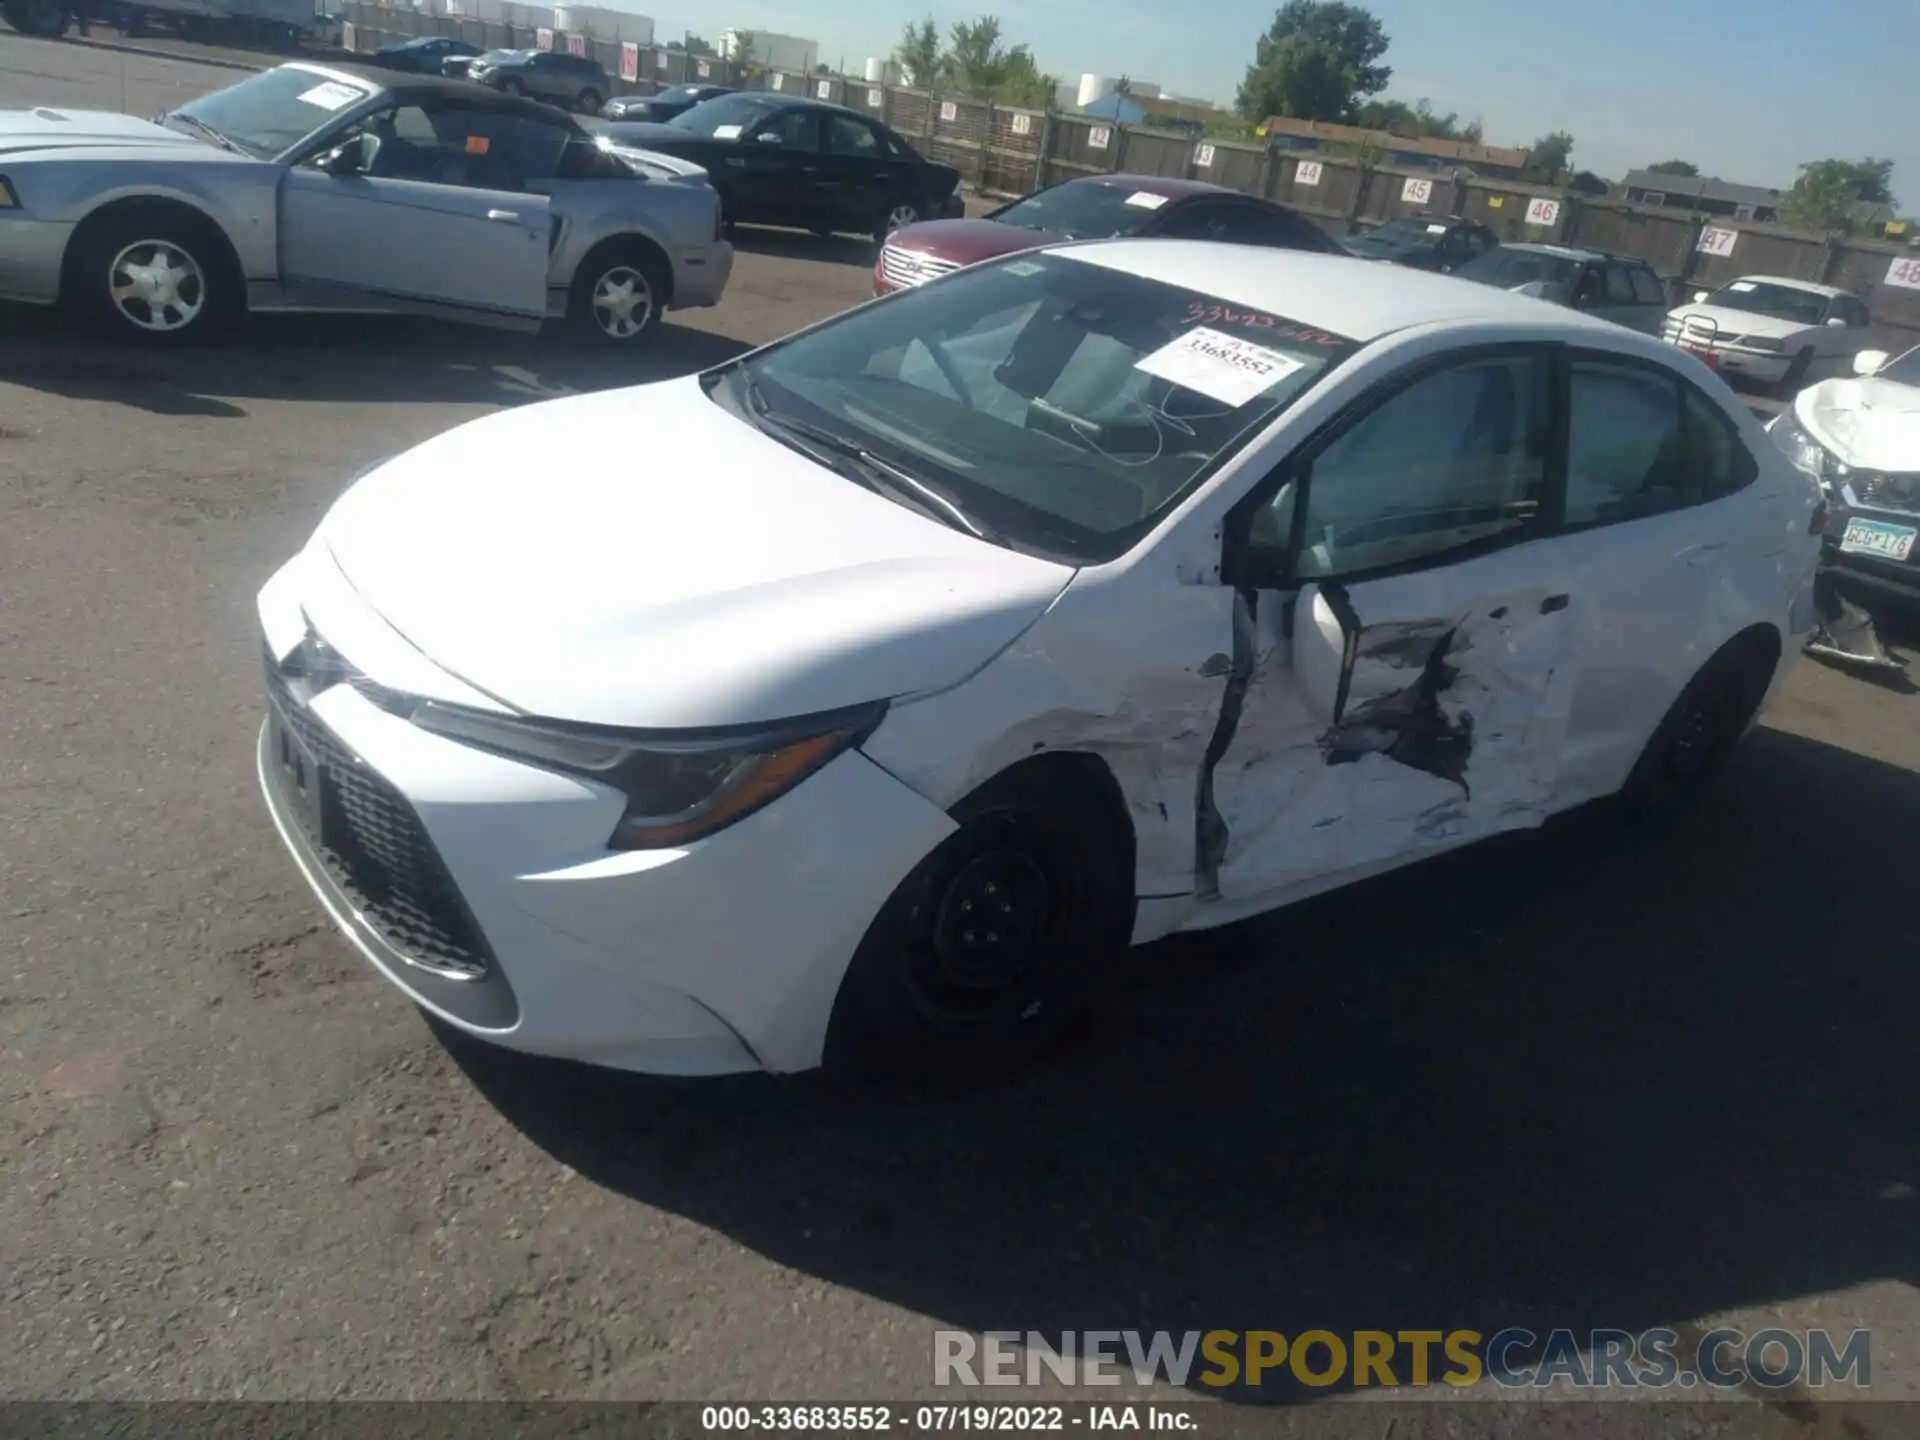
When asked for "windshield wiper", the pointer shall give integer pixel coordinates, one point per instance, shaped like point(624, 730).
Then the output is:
point(203, 128)
point(879, 475)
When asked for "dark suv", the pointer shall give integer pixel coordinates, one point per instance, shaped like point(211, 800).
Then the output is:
point(573, 82)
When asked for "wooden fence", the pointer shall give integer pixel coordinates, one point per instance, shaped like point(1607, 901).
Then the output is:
point(1012, 150)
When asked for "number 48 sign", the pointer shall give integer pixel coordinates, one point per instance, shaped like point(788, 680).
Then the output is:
point(1904, 273)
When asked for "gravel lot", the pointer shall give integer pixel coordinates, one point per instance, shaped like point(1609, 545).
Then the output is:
point(1581, 1079)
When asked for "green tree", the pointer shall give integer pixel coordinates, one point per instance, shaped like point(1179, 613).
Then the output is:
point(1547, 157)
point(918, 53)
point(1675, 167)
point(1316, 61)
point(979, 62)
point(1397, 117)
point(1824, 196)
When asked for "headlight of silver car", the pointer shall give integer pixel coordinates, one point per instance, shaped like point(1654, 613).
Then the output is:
point(679, 788)
point(1805, 451)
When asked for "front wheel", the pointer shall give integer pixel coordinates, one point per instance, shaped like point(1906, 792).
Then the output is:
point(996, 939)
point(900, 214)
point(154, 278)
point(617, 297)
point(512, 87)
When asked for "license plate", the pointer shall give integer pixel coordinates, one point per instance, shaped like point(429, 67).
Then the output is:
point(301, 774)
point(1871, 537)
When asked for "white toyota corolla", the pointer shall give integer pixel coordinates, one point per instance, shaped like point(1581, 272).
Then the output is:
point(923, 660)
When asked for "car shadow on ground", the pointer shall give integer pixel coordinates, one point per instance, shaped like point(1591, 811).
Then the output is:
point(858, 251)
point(350, 359)
point(1585, 1078)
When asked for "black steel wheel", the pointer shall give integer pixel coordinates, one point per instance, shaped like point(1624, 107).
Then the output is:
point(996, 939)
point(1700, 732)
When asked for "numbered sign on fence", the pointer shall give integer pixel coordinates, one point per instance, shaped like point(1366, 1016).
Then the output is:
point(876, 99)
point(543, 39)
point(1417, 192)
point(1099, 136)
point(824, 90)
point(1543, 212)
point(629, 60)
point(706, 73)
point(1022, 124)
point(949, 111)
point(347, 37)
point(577, 45)
point(1203, 157)
point(1715, 241)
point(1905, 273)
point(777, 80)
point(1308, 173)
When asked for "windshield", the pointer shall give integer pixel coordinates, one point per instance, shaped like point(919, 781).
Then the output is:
point(1061, 406)
point(1783, 302)
point(275, 110)
point(1512, 268)
point(725, 116)
point(1401, 234)
point(1903, 371)
point(1082, 210)
point(680, 94)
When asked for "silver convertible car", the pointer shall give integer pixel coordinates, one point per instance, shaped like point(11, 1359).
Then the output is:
point(341, 187)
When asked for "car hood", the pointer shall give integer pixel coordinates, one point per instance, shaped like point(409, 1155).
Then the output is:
point(1868, 424)
point(643, 558)
point(1732, 322)
point(966, 241)
point(48, 129)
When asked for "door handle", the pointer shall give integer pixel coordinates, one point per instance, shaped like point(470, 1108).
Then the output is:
point(505, 217)
point(1553, 603)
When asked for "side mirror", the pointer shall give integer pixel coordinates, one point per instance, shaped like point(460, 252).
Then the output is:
point(355, 157)
point(769, 137)
point(1699, 297)
point(1836, 323)
point(1869, 362)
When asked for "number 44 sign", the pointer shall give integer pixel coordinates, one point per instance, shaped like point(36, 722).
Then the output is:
point(1905, 273)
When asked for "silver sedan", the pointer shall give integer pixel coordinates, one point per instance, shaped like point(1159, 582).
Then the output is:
point(345, 187)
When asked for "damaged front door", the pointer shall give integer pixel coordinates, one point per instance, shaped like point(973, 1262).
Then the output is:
point(1400, 677)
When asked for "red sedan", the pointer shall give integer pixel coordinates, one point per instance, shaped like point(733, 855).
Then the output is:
point(1095, 207)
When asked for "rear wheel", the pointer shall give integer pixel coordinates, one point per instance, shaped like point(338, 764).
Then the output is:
point(510, 86)
point(900, 214)
point(47, 19)
point(1699, 734)
point(996, 938)
point(618, 295)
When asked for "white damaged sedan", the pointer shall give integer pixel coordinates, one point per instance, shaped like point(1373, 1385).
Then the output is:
point(936, 653)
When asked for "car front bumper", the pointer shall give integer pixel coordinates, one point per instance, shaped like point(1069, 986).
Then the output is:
point(1766, 367)
point(1878, 581)
point(724, 955)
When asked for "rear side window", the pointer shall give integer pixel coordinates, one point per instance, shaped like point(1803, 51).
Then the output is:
point(1642, 442)
point(1619, 286)
point(1647, 289)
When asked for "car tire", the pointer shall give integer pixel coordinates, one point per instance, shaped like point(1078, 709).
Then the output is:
point(1701, 730)
point(45, 19)
point(899, 215)
point(935, 991)
point(154, 274)
point(510, 86)
point(589, 102)
point(1796, 376)
point(618, 295)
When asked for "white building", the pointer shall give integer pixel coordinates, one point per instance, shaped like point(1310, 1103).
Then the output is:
point(601, 23)
point(776, 52)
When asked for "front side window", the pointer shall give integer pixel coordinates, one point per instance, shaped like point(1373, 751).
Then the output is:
point(468, 145)
point(1061, 406)
point(1647, 289)
point(1455, 459)
point(270, 113)
point(797, 130)
point(1619, 285)
point(1082, 210)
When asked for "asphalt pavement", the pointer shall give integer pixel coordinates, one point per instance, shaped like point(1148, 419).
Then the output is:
point(1584, 1078)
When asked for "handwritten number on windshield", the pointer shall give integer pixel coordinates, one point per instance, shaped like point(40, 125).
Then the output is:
point(1199, 313)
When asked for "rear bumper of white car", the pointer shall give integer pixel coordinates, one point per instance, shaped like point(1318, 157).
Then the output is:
point(483, 886)
point(30, 252)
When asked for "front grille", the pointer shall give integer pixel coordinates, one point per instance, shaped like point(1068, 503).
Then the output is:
point(1886, 492)
point(373, 844)
point(904, 268)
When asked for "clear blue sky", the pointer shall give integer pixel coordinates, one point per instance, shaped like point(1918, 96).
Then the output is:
point(1746, 91)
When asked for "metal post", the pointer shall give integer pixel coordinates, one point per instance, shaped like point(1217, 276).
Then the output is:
point(1046, 148)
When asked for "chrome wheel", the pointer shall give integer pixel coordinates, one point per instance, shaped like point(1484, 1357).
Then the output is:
point(622, 302)
point(900, 217)
point(156, 286)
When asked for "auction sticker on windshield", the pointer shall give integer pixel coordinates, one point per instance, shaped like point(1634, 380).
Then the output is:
point(726, 132)
point(1146, 200)
point(1218, 366)
point(331, 95)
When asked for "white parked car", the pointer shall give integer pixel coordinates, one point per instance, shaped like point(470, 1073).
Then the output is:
point(1772, 330)
point(1861, 437)
point(935, 653)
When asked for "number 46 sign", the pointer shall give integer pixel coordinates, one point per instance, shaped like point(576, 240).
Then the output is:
point(1543, 212)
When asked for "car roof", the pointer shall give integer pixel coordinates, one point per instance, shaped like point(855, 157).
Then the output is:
point(1811, 286)
point(407, 85)
point(1351, 297)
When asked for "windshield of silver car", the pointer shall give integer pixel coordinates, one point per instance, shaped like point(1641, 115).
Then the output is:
point(1782, 302)
point(1049, 404)
point(275, 110)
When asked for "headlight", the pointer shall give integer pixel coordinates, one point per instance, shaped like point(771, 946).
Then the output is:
point(1805, 451)
point(679, 788)
point(1761, 342)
